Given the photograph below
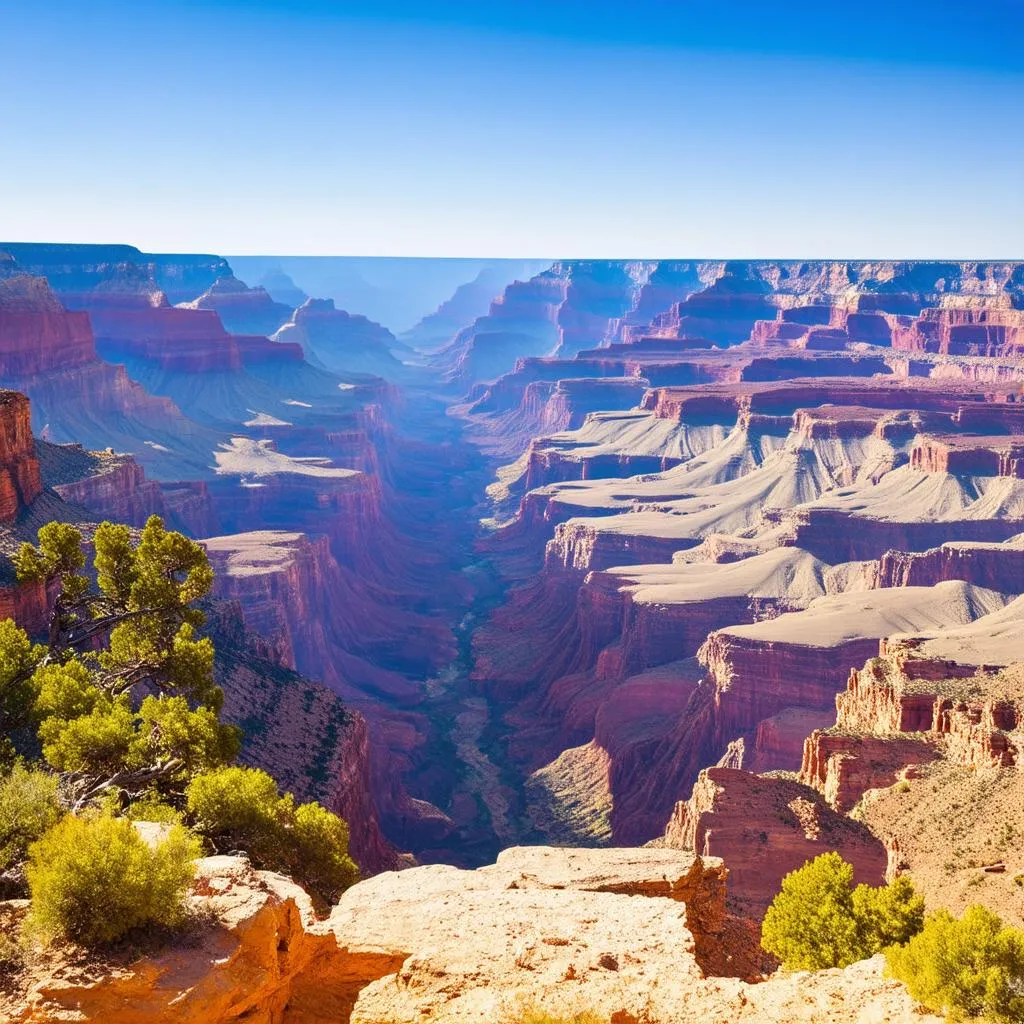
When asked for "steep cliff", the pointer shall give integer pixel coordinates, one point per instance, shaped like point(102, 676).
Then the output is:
point(301, 733)
point(763, 828)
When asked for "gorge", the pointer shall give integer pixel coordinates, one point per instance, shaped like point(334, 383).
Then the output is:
point(717, 556)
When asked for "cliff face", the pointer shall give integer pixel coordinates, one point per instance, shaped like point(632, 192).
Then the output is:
point(110, 486)
point(901, 711)
point(187, 339)
point(20, 482)
point(50, 355)
point(297, 730)
point(37, 334)
point(765, 828)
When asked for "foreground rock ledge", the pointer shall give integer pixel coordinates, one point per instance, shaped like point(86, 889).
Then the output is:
point(621, 932)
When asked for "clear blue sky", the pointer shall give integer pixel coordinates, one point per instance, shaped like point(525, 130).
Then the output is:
point(559, 129)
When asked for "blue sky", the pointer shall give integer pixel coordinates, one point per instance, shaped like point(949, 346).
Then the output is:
point(566, 129)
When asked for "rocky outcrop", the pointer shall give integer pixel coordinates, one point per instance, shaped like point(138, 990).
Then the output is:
point(110, 486)
point(765, 827)
point(903, 710)
point(256, 956)
point(623, 934)
point(242, 310)
point(340, 341)
point(20, 482)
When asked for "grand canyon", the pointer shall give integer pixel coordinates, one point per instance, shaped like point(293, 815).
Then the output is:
point(584, 591)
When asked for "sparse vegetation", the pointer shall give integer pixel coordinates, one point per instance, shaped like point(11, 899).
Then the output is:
point(116, 719)
point(28, 808)
point(241, 808)
point(820, 920)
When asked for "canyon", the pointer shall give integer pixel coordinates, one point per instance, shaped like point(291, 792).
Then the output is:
point(710, 563)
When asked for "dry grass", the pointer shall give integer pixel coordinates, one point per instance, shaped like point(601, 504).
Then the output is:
point(954, 823)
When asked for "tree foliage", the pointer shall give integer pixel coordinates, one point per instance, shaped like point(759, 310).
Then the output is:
point(121, 707)
point(133, 633)
point(241, 808)
point(93, 879)
point(28, 808)
point(18, 660)
point(967, 968)
point(819, 920)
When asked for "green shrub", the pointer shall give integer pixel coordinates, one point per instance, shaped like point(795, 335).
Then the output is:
point(151, 808)
point(887, 915)
point(93, 880)
point(321, 857)
point(241, 809)
point(18, 658)
point(12, 958)
point(818, 920)
point(966, 968)
point(28, 807)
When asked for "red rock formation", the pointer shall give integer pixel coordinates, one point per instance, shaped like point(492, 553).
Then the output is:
point(999, 566)
point(970, 456)
point(902, 710)
point(763, 828)
point(49, 354)
point(984, 328)
point(117, 489)
point(178, 338)
point(20, 483)
point(37, 334)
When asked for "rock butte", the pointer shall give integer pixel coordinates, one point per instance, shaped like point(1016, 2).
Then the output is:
point(750, 563)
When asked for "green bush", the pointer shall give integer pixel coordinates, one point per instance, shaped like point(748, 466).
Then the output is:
point(151, 808)
point(28, 807)
point(93, 880)
point(967, 968)
point(818, 920)
point(241, 809)
point(320, 857)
